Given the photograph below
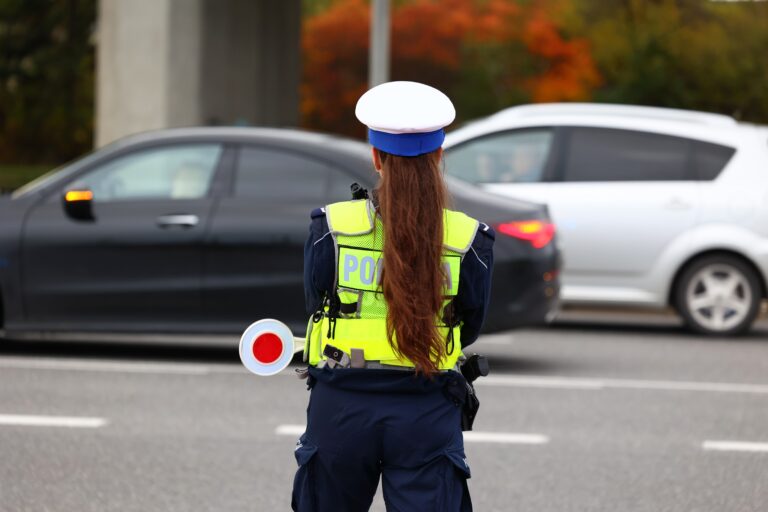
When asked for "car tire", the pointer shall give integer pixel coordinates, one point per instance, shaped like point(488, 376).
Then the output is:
point(718, 295)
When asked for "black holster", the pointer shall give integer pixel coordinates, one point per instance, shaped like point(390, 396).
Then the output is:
point(461, 393)
point(474, 367)
point(470, 408)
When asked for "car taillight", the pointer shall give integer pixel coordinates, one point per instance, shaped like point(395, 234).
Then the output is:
point(534, 231)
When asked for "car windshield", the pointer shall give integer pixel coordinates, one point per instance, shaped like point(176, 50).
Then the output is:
point(54, 175)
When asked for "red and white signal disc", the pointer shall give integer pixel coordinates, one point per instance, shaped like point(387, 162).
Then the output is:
point(266, 347)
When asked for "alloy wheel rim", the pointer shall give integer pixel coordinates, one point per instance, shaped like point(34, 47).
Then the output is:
point(719, 297)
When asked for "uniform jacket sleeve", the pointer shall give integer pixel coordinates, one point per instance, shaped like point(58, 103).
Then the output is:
point(319, 262)
point(474, 293)
point(472, 298)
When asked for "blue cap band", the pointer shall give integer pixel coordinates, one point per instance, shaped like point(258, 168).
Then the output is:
point(406, 144)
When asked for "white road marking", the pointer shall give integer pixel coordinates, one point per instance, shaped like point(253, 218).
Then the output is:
point(735, 446)
point(51, 421)
point(504, 437)
point(90, 365)
point(592, 384)
point(290, 430)
point(497, 339)
point(524, 381)
point(102, 366)
point(539, 382)
point(469, 437)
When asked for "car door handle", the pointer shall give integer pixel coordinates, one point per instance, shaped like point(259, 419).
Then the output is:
point(184, 221)
point(677, 204)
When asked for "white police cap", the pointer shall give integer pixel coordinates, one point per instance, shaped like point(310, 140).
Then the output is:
point(405, 118)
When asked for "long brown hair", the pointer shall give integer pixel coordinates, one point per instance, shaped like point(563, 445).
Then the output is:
point(412, 195)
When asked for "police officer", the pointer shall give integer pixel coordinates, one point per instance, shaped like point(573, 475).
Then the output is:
point(397, 286)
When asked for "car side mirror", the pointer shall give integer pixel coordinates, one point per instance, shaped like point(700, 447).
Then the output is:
point(78, 204)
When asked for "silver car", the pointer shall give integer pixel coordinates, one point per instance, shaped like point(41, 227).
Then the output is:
point(654, 207)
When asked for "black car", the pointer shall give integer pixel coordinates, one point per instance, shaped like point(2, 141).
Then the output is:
point(201, 230)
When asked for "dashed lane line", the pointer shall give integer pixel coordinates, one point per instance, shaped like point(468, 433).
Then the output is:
point(469, 437)
point(504, 438)
point(51, 421)
point(539, 382)
point(290, 430)
point(524, 381)
point(592, 384)
point(735, 446)
point(498, 339)
point(102, 366)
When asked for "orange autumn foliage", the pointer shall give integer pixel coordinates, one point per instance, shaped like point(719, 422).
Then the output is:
point(335, 52)
point(571, 73)
point(436, 42)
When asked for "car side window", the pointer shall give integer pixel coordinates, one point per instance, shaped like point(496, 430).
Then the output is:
point(605, 154)
point(268, 174)
point(518, 156)
point(170, 172)
point(709, 159)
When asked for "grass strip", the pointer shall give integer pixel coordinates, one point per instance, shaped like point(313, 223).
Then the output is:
point(12, 176)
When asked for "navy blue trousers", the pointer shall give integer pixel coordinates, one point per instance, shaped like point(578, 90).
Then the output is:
point(412, 441)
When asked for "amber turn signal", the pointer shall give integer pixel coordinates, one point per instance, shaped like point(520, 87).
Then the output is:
point(78, 195)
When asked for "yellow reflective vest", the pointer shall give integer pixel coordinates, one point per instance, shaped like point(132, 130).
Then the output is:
point(358, 321)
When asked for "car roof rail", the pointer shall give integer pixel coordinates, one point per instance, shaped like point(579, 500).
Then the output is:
point(614, 110)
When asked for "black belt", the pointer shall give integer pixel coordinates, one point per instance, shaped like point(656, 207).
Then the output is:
point(337, 358)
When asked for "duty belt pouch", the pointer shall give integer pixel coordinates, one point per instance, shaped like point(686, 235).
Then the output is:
point(474, 366)
point(469, 409)
point(462, 394)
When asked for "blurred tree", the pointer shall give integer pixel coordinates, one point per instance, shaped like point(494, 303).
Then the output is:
point(530, 58)
point(46, 79)
point(566, 69)
point(681, 53)
point(335, 53)
point(313, 7)
point(487, 54)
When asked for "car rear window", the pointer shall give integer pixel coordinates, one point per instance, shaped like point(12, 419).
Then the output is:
point(603, 154)
point(272, 175)
point(517, 156)
point(710, 159)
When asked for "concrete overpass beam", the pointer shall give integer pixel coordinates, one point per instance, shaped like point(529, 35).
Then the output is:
point(169, 63)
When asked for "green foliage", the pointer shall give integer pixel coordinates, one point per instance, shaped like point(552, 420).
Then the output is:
point(313, 7)
point(486, 54)
point(46, 79)
point(688, 54)
point(692, 54)
point(14, 176)
point(491, 68)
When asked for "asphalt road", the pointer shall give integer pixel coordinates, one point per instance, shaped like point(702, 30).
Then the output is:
point(586, 416)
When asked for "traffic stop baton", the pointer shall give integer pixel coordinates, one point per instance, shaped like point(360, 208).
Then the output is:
point(267, 347)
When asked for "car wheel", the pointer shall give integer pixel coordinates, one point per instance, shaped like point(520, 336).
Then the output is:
point(718, 295)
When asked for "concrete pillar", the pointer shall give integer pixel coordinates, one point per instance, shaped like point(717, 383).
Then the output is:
point(184, 62)
point(170, 63)
point(378, 58)
point(251, 62)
